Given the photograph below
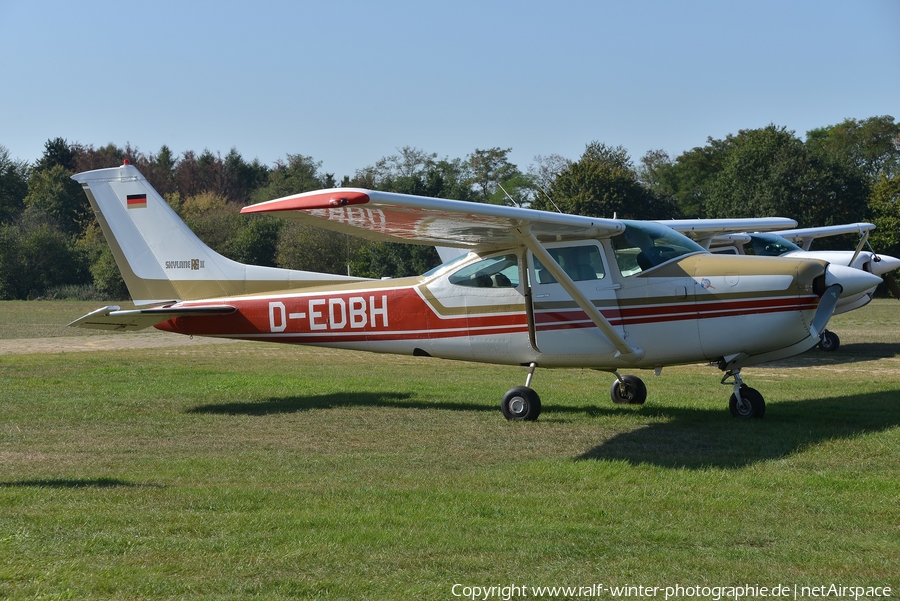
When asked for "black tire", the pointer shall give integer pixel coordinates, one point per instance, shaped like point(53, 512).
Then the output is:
point(521, 404)
point(754, 405)
point(829, 341)
point(635, 391)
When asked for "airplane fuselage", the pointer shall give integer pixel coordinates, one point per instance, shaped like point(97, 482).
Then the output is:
point(681, 312)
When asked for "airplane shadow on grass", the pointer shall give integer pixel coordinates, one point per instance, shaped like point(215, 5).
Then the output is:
point(700, 438)
point(685, 438)
point(75, 483)
point(294, 404)
point(848, 353)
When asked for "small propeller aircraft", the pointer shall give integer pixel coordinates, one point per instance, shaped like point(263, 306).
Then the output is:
point(783, 243)
point(534, 289)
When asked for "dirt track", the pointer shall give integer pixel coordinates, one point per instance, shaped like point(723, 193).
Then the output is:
point(101, 342)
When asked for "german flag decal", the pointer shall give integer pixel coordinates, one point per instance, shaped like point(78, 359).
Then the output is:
point(137, 201)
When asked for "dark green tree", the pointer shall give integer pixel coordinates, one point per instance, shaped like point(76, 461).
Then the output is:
point(872, 145)
point(603, 183)
point(55, 197)
point(13, 186)
point(388, 259)
point(257, 240)
point(37, 256)
point(242, 178)
point(687, 179)
point(56, 152)
point(309, 248)
point(770, 172)
point(299, 174)
point(884, 203)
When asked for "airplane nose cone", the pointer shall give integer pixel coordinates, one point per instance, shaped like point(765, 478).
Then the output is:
point(884, 264)
point(852, 280)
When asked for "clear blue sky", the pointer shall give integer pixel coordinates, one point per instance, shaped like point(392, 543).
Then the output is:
point(349, 82)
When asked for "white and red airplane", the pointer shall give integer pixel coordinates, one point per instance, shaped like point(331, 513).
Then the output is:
point(784, 243)
point(535, 289)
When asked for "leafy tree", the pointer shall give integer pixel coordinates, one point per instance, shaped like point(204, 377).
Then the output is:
point(35, 256)
point(242, 178)
point(387, 259)
point(90, 158)
point(687, 179)
point(215, 221)
point(546, 169)
point(187, 175)
point(299, 174)
point(490, 169)
point(160, 171)
point(54, 196)
point(872, 145)
point(603, 183)
point(769, 172)
point(257, 240)
point(13, 186)
point(308, 248)
point(884, 202)
point(56, 152)
point(211, 172)
point(105, 275)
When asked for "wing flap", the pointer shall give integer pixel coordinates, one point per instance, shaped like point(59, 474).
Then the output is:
point(111, 318)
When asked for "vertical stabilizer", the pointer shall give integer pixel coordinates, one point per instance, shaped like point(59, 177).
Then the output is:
point(160, 258)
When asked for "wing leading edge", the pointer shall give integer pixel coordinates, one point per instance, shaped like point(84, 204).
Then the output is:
point(391, 217)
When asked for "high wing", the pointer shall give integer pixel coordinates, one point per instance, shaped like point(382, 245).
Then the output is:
point(703, 231)
point(391, 217)
point(804, 237)
point(111, 318)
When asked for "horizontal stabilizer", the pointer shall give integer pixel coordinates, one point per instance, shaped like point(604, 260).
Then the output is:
point(111, 318)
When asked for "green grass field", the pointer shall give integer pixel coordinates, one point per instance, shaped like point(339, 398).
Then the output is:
point(244, 470)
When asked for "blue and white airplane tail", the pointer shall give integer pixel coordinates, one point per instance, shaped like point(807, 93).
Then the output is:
point(161, 259)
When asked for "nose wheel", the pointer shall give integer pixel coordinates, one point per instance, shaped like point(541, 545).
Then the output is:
point(829, 341)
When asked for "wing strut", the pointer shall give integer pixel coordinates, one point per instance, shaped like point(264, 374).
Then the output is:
point(625, 351)
point(859, 247)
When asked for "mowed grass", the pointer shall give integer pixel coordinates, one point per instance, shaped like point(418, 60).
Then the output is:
point(247, 470)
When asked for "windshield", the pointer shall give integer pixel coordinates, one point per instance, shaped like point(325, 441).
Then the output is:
point(645, 245)
point(770, 245)
point(434, 270)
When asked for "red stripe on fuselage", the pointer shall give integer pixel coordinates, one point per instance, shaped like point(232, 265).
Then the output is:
point(402, 314)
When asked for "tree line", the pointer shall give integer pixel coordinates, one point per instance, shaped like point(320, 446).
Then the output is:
point(51, 245)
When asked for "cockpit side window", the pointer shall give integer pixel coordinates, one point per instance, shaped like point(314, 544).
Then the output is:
point(493, 272)
point(646, 245)
point(770, 245)
point(581, 263)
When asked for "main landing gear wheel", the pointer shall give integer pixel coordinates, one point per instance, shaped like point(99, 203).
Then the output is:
point(829, 341)
point(521, 403)
point(751, 403)
point(630, 390)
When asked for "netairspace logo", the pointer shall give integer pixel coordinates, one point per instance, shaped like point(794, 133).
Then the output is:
point(711, 593)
